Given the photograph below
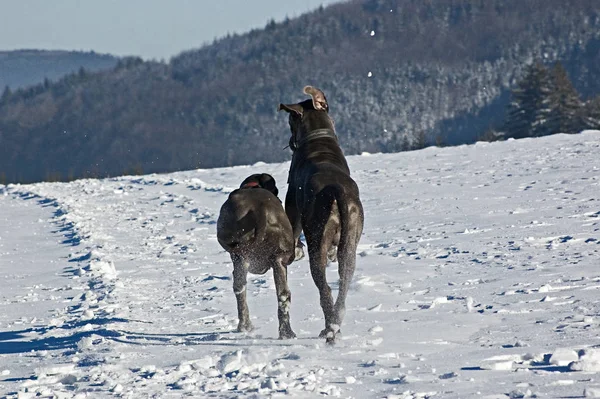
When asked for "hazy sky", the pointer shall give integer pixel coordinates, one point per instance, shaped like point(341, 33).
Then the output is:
point(148, 28)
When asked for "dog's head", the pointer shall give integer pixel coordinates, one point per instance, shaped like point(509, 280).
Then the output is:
point(308, 115)
point(260, 180)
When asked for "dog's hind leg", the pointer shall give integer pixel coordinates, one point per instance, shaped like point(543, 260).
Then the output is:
point(240, 271)
point(351, 232)
point(346, 267)
point(284, 298)
point(317, 253)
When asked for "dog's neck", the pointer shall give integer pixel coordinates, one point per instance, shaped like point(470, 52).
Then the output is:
point(251, 184)
point(316, 134)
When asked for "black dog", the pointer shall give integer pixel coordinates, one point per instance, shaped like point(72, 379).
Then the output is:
point(255, 230)
point(323, 200)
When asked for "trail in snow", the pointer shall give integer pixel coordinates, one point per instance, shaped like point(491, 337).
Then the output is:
point(476, 276)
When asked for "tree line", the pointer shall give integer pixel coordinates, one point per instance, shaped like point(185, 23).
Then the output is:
point(545, 102)
point(22, 68)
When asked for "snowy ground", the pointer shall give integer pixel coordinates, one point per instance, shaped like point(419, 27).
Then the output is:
point(478, 276)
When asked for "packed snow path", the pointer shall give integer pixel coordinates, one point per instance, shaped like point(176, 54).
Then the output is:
point(477, 276)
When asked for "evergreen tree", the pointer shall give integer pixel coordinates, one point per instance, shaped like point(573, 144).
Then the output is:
point(591, 114)
point(491, 135)
point(565, 105)
point(439, 141)
point(529, 109)
point(405, 144)
point(6, 94)
point(420, 140)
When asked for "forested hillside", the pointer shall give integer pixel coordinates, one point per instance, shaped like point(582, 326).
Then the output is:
point(398, 74)
point(22, 68)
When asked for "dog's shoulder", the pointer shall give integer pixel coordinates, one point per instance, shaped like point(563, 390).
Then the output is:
point(321, 165)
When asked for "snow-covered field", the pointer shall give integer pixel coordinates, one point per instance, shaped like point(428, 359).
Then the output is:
point(478, 275)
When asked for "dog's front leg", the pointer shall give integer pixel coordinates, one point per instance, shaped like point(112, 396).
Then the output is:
point(293, 215)
point(284, 298)
point(240, 271)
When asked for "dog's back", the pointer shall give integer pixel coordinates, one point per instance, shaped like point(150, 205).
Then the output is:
point(252, 221)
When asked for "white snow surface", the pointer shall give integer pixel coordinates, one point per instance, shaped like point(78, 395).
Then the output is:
point(478, 275)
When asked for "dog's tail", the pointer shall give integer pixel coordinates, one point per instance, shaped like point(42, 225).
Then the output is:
point(351, 221)
point(349, 208)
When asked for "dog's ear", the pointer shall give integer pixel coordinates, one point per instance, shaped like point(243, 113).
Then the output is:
point(318, 98)
point(289, 108)
point(268, 182)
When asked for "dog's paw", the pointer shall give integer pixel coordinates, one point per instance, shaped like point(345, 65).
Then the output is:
point(245, 327)
point(329, 333)
point(329, 336)
point(286, 333)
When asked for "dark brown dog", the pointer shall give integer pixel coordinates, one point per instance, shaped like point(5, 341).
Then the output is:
point(323, 200)
point(255, 230)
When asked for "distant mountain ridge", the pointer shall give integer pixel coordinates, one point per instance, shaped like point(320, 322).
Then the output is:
point(21, 68)
point(439, 71)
